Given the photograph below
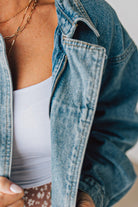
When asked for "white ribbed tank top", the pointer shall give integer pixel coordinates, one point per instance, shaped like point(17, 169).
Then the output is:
point(31, 163)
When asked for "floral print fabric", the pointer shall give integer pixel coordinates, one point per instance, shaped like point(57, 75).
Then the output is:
point(38, 196)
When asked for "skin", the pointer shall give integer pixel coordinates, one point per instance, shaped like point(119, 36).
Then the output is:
point(84, 200)
point(36, 42)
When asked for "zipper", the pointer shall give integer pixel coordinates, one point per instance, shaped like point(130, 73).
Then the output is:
point(56, 82)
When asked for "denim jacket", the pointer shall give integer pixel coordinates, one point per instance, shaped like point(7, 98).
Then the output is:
point(93, 106)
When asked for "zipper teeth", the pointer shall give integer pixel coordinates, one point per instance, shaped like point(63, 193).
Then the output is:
point(56, 82)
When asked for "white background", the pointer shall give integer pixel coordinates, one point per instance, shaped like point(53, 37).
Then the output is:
point(127, 11)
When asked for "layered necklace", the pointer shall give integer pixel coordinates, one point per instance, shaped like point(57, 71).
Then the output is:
point(24, 22)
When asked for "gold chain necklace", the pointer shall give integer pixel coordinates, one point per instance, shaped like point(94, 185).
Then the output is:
point(22, 26)
point(7, 20)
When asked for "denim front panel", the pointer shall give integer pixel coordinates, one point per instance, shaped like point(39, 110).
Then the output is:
point(72, 114)
point(6, 130)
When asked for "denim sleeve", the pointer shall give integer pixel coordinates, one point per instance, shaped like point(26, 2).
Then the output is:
point(107, 173)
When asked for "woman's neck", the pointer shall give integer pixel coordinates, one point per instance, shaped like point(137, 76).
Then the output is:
point(9, 8)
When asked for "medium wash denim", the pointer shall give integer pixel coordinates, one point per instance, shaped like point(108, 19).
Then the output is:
point(93, 113)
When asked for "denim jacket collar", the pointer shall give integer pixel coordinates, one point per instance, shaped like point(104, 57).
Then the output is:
point(69, 13)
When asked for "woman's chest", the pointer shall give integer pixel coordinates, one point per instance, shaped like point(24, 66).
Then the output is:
point(31, 60)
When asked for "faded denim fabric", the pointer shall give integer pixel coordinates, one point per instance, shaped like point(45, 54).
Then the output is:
point(93, 113)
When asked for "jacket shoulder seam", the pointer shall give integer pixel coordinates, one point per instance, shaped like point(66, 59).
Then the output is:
point(129, 51)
